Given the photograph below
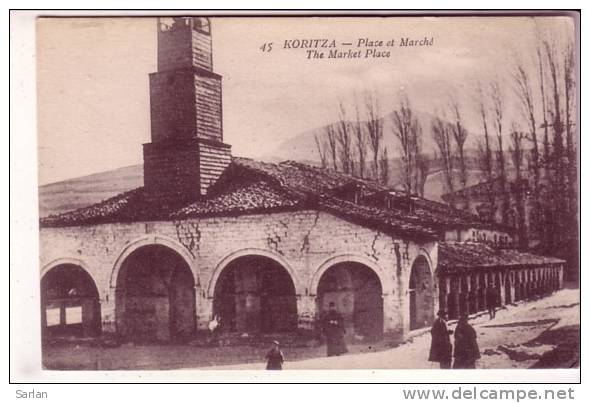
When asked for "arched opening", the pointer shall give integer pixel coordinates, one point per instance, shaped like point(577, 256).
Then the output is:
point(155, 296)
point(356, 291)
point(421, 294)
point(69, 303)
point(255, 294)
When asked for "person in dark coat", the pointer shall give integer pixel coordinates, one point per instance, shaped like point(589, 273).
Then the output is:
point(274, 357)
point(334, 330)
point(466, 348)
point(441, 347)
point(491, 300)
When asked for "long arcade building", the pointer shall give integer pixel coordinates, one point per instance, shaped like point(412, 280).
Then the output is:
point(266, 246)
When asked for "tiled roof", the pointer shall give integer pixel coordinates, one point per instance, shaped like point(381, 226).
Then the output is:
point(459, 256)
point(250, 187)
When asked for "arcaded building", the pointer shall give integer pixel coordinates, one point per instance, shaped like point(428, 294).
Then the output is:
point(265, 246)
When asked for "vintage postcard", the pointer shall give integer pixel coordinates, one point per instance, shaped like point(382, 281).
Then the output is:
point(308, 192)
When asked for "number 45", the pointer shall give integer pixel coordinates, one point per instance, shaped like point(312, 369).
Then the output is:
point(267, 47)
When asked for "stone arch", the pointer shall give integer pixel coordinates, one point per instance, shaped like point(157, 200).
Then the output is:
point(147, 240)
point(66, 260)
point(70, 302)
point(254, 292)
point(424, 253)
point(421, 293)
point(386, 285)
point(251, 252)
point(355, 288)
point(155, 294)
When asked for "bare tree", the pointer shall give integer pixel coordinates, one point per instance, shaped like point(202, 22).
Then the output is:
point(361, 142)
point(408, 131)
point(569, 85)
point(486, 158)
point(321, 151)
point(344, 137)
point(422, 168)
point(374, 125)
point(516, 152)
point(525, 95)
point(555, 163)
point(460, 136)
point(545, 124)
point(384, 167)
point(441, 134)
point(331, 135)
point(498, 119)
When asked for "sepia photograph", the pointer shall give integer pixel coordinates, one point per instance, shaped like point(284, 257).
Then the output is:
point(303, 192)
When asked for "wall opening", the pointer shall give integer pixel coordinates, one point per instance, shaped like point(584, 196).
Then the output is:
point(155, 296)
point(255, 294)
point(356, 290)
point(421, 294)
point(69, 303)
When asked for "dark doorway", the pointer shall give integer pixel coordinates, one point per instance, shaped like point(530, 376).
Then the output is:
point(69, 303)
point(155, 297)
point(356, 291)
point(255, 294)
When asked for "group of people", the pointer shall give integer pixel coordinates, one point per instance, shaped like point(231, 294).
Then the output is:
point(466, 351)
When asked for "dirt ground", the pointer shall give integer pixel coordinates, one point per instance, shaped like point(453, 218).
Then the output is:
point(539, 334)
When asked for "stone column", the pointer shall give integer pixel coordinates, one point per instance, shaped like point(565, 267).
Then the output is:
point(456, 292)
point(510, 277)
point(307, 312)
point(560, 277)
point(525, 283)
point(393, 326)
point(443, 292)
point(501, 289)
point(468, 301)
point(204, 308)
point(108, 312)
point(475, 294)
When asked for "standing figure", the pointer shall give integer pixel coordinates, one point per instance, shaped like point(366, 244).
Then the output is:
point(334, 330)
point(441, 347)
point(214, 330)
point(274, 357)
point(491, 300)
point(466, 348)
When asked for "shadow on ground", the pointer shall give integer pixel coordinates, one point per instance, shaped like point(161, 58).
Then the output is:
point(566, 353)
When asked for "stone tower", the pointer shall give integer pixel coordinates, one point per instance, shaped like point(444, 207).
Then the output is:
point(187, 154)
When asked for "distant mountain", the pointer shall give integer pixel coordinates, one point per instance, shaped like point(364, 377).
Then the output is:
point(303, 147)
point(79, 192)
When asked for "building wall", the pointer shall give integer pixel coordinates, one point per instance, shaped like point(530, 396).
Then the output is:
point(479, 235)
point(305, 243)
point(532, 227)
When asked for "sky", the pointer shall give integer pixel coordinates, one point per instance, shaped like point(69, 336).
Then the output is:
point(93, 92)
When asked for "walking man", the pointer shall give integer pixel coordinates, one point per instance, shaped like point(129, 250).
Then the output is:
point(466, 348)
point(334, 330)
point(274, 357)
point(440, 347)
point(491, 300)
